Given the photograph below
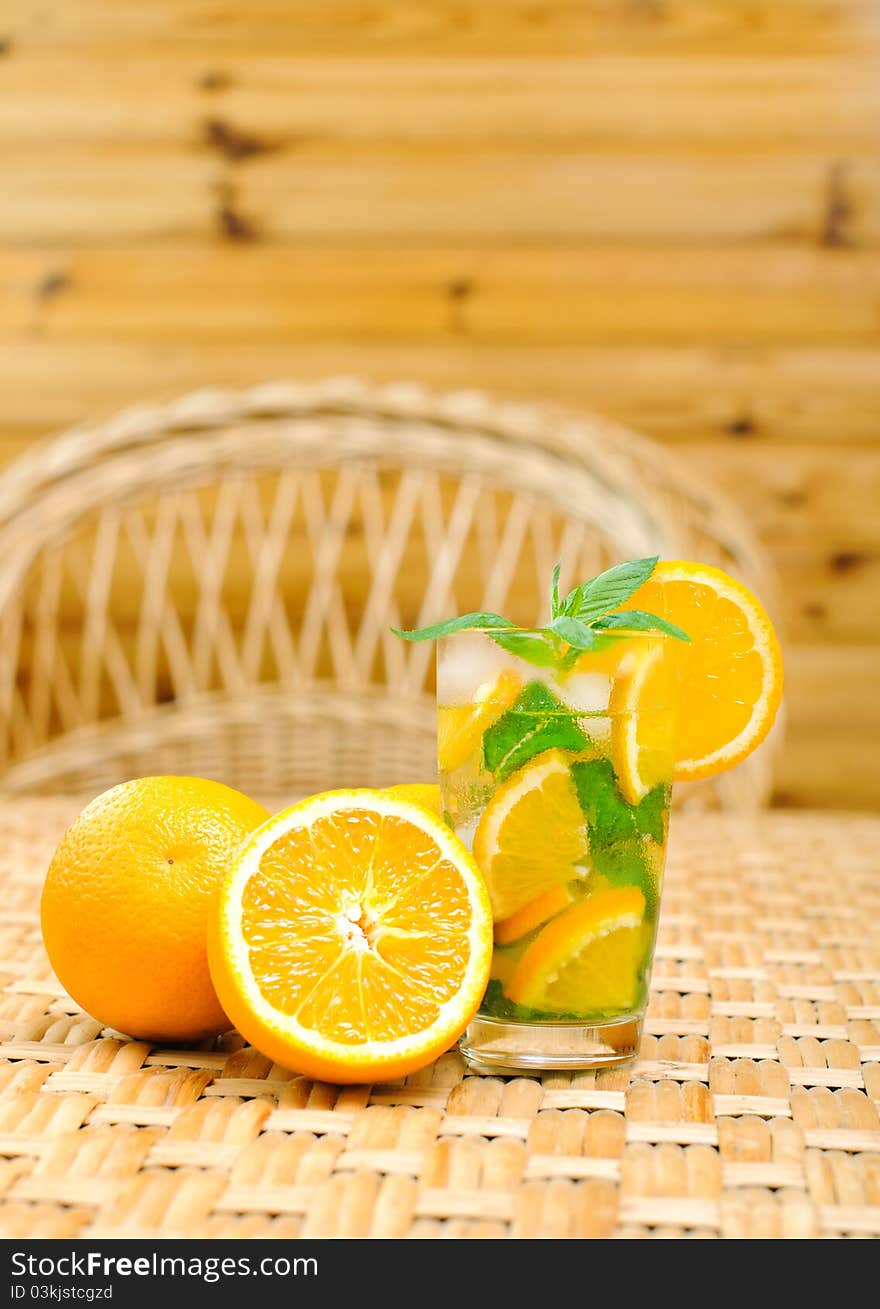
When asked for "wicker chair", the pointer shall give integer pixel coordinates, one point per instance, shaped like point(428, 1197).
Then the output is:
point(207, 587)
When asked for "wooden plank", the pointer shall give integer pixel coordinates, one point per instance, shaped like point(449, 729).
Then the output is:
point(817, 770)
point(109, 195)
point(563, 196)
point(832, 690)
point(438, 26)
point(268, 102)
point(815, 510)
point(816, 496)
point(829, 590)
point(737, 396)
point(376, 195)
point(504, 295)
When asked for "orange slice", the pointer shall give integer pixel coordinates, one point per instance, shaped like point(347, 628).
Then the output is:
point(460, 728)
point(642, 710)
point(425, 794)
point(351, 939)
point(531, 835)
point(587, 961)
point(730, 675)
point(533, 914)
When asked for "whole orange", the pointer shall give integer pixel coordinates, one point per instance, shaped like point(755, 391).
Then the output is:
point(125, 903)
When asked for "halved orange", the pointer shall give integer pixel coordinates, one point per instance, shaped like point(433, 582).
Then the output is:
point(587, 960)
point(460, 728)
point(642, 712)
point(730, 674)
point(352, 938)
point(532, 834)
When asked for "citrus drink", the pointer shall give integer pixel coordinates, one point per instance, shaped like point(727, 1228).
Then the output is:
point(559, 779)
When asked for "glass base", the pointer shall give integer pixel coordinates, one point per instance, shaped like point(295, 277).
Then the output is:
point(496, 1045)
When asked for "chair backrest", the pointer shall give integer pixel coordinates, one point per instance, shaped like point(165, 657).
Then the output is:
point(208, 586)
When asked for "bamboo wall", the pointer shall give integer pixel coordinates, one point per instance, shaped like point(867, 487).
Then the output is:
point(666, 211)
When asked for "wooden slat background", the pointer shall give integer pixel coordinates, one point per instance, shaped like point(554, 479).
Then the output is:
point(669, 212)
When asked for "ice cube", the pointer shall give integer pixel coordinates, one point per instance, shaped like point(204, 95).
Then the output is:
point(468, 662)
point(586, 693)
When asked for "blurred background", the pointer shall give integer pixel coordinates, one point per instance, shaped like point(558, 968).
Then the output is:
point(663, 211)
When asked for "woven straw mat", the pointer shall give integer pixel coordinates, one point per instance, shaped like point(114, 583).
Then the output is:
point(752, 1111)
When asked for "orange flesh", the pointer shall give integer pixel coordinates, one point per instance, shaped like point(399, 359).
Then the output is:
point(460, 727)
point(523, 864)
point(537, 911)
point(372, 947)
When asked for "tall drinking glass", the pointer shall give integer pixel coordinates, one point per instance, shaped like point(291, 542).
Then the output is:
point(559, 779)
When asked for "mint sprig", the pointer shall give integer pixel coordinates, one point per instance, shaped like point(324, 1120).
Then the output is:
point(612, 588)
point(576, 620)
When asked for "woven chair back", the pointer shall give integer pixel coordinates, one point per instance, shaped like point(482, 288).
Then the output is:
point(208, 586)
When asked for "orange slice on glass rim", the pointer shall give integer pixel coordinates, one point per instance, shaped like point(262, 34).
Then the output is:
point(351, 939)
point(730, 674)
point(641, 705)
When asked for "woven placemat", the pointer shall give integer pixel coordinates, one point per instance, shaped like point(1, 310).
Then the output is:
point(752, 1111)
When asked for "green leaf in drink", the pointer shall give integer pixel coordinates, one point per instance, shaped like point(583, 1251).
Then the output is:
point(536, 721)
point(618, 831)
point(650, 813)
point(495, 1002)
point(628, 863)
point(609, 816)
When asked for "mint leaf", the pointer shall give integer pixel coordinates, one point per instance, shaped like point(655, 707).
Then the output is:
point(466, 622)
point(496, 1003)
point(650, 813)
point(609, 817)
point(627, 863)
point(617, 831)
point(535, 647)
point(637, 620)
point(572, 630)
point(554, 591)
point(536, 721)
point(608, 590)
